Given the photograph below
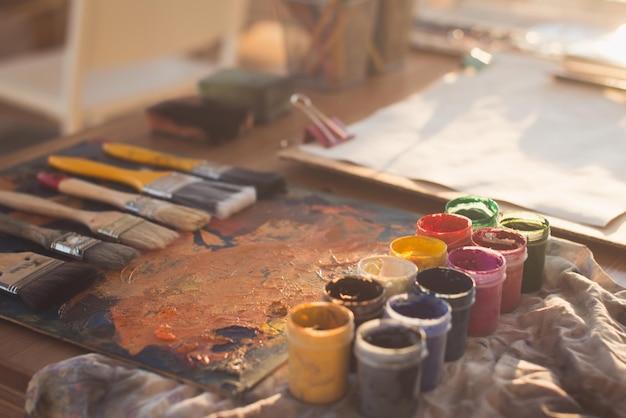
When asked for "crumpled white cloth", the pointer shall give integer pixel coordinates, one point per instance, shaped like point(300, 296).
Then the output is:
point(510, 132)
point(562, 353)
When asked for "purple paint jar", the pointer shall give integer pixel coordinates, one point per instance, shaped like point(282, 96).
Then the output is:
point(512, 245)
point(488, 269)
point(433, 316)
point(458, 289)
point(389, 355)
point(455, 230)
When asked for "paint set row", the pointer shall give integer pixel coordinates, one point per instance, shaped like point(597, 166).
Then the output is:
point(401, 316)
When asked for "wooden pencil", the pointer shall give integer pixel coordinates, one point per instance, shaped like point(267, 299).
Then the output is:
point(215, 197)
point(109, 225)
point(175, 216)
point(265, 183)
point(42, 282)
point(106, 255)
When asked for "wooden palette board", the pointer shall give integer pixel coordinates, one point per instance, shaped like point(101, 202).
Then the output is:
point(210, 309)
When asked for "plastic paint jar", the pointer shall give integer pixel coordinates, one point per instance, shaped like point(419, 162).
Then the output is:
point(319, 336)
point(483, 211)
point(454, 230)
point(422, 251)
point(512, 245)
point(431, 314)
point(364, 297)
point(389, 356)
point(396, 274)
point(458, 289)
point(536, 229)
point(488, 269)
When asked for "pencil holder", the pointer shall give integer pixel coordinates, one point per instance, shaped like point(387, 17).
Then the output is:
point(393, 34)
point(328, 42)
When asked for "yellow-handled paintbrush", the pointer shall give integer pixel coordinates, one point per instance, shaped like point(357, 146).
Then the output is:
point(215, 197)
point(170, 214)
point(110, 225)
point(265, 183)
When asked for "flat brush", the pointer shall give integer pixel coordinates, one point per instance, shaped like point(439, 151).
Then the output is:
point(106, 255)
point(265, 183)
point(215, 197)
point(42, 282)
point(170, 214)
point(109, 225)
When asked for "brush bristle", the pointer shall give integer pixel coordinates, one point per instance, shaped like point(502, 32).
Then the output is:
point(110, 255)
point(149, 236)
point(180, 217)
point(58, 285)
point(265, 183)
point(215, 197)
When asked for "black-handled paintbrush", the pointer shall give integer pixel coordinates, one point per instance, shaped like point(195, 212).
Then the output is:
point(170, 214)
point(42, 282)
point(109, 225)
point(106, 255)
point(215, 197)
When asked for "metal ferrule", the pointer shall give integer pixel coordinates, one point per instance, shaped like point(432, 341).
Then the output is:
point(210, 170)
point(73, 245)
point(144, 206)
point(167, 186)
point(119, 226)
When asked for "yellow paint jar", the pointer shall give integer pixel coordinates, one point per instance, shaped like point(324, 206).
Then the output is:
point(421, 250)
point(319, 336)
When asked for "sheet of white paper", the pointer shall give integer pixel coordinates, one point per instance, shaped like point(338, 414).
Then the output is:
point(509, 132)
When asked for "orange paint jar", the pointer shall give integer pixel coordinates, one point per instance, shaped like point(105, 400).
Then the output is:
point(319, 336)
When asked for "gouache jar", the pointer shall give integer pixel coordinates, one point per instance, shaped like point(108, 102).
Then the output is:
point(422, 251)
point(483, 211)
point(396, 274)
point(431, 314)
point(458, 289)
point(512, 245)
point(488, 269)
point(319, 336)
point(364, 297)
point(389, 356)
point(536, 229)
point(455, 230)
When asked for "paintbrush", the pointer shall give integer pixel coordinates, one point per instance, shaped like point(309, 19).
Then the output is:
point(110, 225)
point(107, 255)
point(170, 214)
point(42, 282)
point(265, 183)
point(215, 197)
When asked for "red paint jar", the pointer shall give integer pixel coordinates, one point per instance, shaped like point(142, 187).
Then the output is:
point(512, 245)
point(453, 229)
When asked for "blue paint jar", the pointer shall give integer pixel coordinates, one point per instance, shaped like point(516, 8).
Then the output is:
point(433, 316)
point(389, 355)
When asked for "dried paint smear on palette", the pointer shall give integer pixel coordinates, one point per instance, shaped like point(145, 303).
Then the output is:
point(210, 309)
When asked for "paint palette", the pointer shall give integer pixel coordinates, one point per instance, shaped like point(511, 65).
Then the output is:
point(210, 309)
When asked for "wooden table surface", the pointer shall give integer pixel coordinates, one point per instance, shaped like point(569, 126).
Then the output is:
point(23, 351)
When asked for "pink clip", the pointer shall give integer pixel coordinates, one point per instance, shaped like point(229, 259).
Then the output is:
point(327, 131)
